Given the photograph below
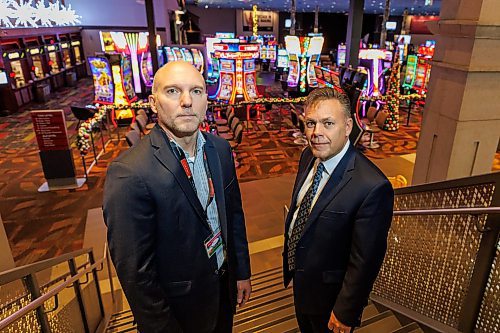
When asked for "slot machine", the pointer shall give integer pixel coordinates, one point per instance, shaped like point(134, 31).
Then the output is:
point(313, 55)
point(198, 60)
point(187, 56)
point(237, 79)
point(292, 44)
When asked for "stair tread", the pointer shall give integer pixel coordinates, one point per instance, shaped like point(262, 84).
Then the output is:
point(266, 297)
point(368, 312)
point(287, 326)
point(262, 322)
point(409, 328)
point(263, 310)
point(384, 322)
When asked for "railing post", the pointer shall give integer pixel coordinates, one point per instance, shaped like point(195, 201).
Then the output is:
point(479, 279)
point(34, 289)
point(110, 275)
point(78, 291)
point(96, 280)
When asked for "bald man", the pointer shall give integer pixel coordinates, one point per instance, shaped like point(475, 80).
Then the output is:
point(176, 229)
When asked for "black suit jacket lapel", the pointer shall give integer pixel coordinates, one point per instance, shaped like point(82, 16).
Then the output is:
point(217, 177)
point(301, 178)
point(167, 158)
point(338, 180)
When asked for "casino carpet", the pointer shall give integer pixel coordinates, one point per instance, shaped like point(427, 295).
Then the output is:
point(44, 225)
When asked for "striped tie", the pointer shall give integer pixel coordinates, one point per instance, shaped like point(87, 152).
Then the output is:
point(300, 221)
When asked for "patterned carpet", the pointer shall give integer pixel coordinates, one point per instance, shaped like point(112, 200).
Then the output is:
point(44, 225)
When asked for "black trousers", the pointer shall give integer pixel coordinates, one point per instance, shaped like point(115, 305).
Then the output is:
point(226, 312)
point(313, 323)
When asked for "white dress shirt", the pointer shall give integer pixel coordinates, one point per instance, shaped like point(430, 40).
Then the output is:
point(330, 166)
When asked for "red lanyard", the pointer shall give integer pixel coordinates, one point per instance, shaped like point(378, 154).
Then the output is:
point(179, 153)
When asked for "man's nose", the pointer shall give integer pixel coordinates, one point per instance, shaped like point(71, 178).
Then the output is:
point(317, 129)
point(186, 100)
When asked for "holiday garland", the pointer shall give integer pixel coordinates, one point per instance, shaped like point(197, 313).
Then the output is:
point(83, 135)
point(85, 130)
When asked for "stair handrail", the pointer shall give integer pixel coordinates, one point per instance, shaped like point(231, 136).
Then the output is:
point(28, 272)
point(446, 211)
point(38, 302)
point(22, 271)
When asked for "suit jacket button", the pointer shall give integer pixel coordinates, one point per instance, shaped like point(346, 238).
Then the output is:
point(216, 272)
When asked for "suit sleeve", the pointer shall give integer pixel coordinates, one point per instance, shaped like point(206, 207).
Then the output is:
point(129, 213)
point(368, 247)
point(237, 219)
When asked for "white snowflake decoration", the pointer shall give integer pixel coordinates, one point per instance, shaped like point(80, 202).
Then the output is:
point(44, 14)
point(68, 16)
point(25, 13)
point(6, 13)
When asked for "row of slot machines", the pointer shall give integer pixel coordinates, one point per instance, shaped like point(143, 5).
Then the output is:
point(193, 56)
point(31, 63)
point(117, 80)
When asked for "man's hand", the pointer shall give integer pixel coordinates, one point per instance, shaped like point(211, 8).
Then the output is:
point(244, 291)
point(336, 326)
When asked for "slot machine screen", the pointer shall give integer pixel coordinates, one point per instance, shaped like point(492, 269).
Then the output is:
point(327, 76)
point(3, 78)
point(282, 59)
point(249, 66)
point(420, 77)
point(319, 73)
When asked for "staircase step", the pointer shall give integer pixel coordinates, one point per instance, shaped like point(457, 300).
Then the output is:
point(384, 322)
point(266, 321)
point(266, 272)
point(287, 326)
point(268, 296)
point(263, 310)
point(268, 284)
point(278, 277)
point(410, 328)
point(369, 311)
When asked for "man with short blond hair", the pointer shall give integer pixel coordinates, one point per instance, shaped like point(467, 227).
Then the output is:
point(339, 218)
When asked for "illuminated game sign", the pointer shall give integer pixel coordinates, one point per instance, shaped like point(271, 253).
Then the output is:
point(103, 80)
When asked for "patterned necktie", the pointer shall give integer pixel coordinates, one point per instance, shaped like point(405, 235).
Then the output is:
point(303, 214)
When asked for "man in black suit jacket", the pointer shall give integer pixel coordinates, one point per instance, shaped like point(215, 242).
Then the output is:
point(340, 214)
point(176, 229)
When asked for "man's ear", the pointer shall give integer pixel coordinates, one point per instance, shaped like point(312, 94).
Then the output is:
point(152, 103)
point(348, 126)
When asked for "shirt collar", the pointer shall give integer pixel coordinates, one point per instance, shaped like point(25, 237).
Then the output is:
point(200, 143)
point(331, 163)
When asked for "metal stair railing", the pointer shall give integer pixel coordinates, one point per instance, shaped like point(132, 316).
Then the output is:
point(83, 310)
point(442, 266)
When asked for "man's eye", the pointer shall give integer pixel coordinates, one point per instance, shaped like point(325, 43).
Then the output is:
point(310, 124)
point(329, 123)
point(197, 91)
point(171, 91)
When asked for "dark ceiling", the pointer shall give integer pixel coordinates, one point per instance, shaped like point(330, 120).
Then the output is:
point(415, 7)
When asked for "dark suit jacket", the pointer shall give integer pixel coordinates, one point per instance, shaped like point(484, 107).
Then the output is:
point(156, 234)
point(344, 240)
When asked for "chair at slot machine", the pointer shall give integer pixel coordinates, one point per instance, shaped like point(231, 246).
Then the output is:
point(81, 113)
point(236, 141)
point(358, 128)
point(221, 121)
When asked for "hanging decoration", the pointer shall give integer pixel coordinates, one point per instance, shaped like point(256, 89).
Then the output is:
point(36, 13)
point(393, 99)
point(255, 18)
